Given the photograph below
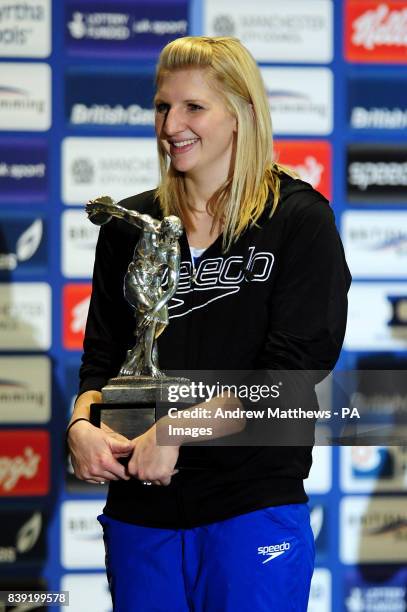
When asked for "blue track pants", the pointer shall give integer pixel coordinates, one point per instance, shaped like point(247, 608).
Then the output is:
point(256, 562)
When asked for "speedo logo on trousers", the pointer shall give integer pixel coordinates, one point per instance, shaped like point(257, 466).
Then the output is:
point(273, 551)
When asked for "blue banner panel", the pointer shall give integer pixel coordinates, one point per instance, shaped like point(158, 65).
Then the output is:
point(22, 537)
point(376, 590)
point(123, 29)
point(377, 103)
point(23, 245)
point(23, 170)
point(115, 99)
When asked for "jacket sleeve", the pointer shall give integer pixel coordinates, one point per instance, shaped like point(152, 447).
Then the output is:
point(110, 320)
point(308, 305)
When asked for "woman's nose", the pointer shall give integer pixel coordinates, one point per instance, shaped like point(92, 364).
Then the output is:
point(174, 122)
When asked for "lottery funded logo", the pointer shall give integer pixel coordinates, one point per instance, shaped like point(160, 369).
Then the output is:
point(76, 300)
point(371, 590)
point(24, 462)
point(310, 159)
point(376, 31)
point(127, 29)
point(25, 29)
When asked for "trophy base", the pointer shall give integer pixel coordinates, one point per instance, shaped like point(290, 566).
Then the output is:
point(129, 403)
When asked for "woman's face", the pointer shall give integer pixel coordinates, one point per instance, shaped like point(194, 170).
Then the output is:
point(193, 124)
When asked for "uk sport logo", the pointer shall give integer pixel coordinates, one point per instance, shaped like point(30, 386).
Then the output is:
point(272, 551)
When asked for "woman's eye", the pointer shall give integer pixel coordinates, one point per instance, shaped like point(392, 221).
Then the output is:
point(161, 107)
point(194, 107)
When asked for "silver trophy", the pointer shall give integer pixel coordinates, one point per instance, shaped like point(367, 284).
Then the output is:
point(129, 400)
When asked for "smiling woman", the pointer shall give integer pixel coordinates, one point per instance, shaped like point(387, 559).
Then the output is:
point(263, 285)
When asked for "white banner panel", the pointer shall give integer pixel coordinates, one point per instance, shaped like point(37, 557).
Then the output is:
point(82, 535)
point(119, 167)
point(377, 317)
point(87, 592)
point(25, 316)
point(369, 469)
point(320, 593)
point(25, 28)
point(79, 237)
point(25, 389)
point(301, 99)
point(290, 31)
point(375, 243)
point(372, 530)
point(25, 96)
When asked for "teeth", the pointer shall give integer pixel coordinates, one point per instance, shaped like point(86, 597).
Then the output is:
point(183, 143)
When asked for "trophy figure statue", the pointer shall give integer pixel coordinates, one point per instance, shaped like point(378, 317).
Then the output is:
point(149, 284)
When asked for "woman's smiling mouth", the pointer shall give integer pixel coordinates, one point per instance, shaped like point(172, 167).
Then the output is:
point(182, 146)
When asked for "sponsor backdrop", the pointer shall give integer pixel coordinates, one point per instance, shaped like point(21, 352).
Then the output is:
point(76, 121)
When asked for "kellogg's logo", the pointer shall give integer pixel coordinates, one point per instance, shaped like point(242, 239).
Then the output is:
point(310, 159)
point(376, 32)
point(24, 462)
point(76, 299)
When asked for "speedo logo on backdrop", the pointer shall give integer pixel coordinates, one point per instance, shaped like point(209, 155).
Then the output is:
point(128, 101)
point(377, 104)
point(273, 550)
point(376, 32)
point(377, 173)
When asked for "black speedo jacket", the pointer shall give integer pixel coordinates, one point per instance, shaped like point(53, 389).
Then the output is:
point(277, 300)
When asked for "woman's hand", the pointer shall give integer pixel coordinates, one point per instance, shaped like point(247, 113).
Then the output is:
point(151, 462)
point(95, 453)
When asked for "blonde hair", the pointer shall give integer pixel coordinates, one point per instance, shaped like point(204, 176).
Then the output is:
point(241, 200)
